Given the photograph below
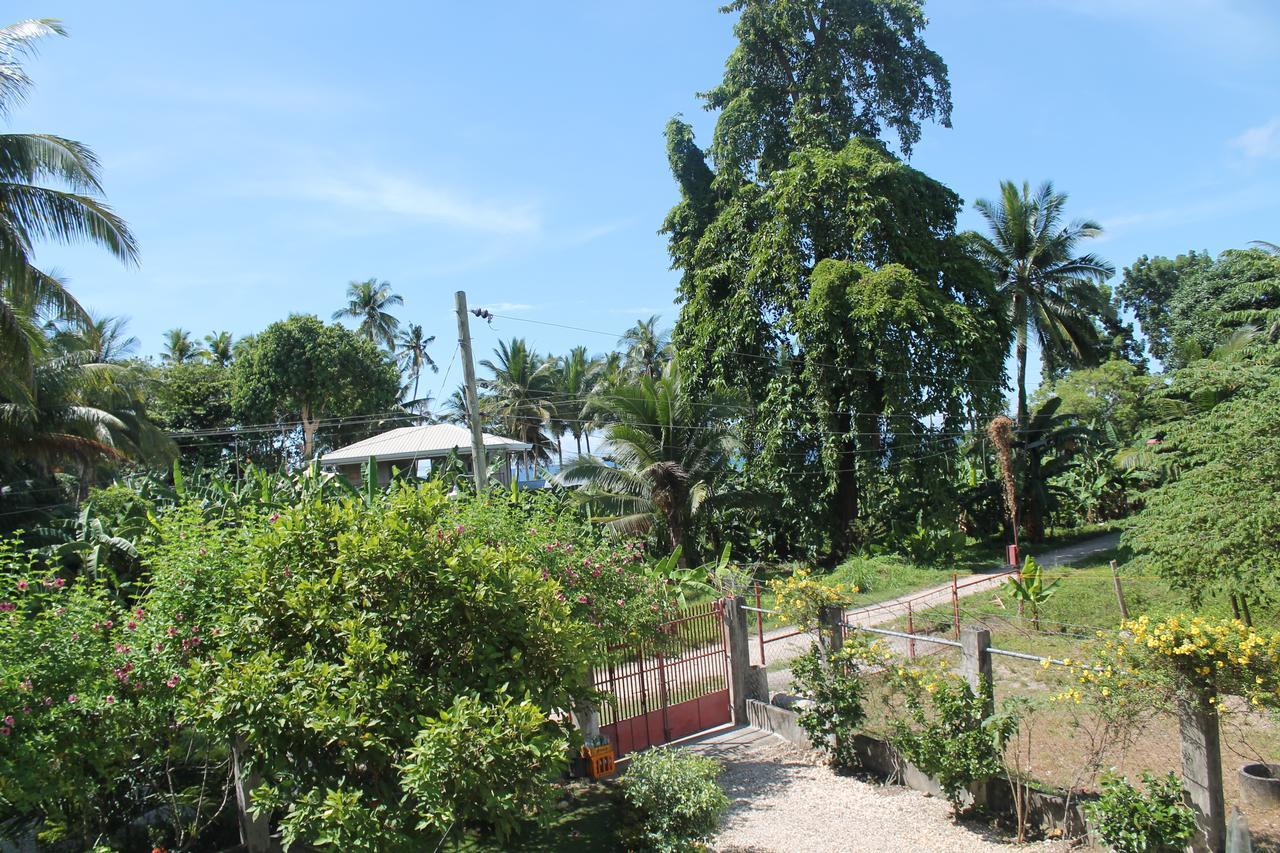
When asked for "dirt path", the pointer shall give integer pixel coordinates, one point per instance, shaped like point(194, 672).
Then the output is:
point(780, 648)
point(786, 799)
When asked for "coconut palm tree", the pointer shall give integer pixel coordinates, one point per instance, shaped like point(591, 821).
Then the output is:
point(669, 457)
point(84, 412)
point(575, 380)
point(368, 301)
point(49, 190)
point(646, 350)
point(220, 349)
point(520, 393)
point(179, 348)
point(413, 354)
point(1051, 291)
point(105, 338)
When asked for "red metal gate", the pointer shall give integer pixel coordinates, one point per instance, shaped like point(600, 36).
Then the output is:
point(664, 691)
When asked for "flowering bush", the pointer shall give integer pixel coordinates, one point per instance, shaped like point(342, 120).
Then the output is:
point(608, 585)
point(91, 687)
point(837, 690)
point(800, 598)
point(1182, 657)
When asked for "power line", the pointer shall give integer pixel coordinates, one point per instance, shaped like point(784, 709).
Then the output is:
point(771, 358)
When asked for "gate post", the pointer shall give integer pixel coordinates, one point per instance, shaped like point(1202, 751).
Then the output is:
point(739, 654)
point(831, 627)
point(975, 658)
point(1201, 770)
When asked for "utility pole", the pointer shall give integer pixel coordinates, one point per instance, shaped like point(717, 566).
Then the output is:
point(479, 466)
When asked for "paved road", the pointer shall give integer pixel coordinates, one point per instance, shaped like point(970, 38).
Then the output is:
point(780, 648)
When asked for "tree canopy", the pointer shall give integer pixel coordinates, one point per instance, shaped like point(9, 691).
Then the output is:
point(302, 370)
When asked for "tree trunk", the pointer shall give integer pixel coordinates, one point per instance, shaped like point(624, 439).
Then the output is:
point(847, 493)
point(587, 435)
point(309, 426)
point(1022, 379)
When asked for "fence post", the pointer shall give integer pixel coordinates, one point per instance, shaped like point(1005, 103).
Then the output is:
point(831, 621)
point(760, 623)
point(975, 659)
point(1202, 771)
point(911, 629)
point(1115, 580)
point(739, 652)
point(255, 832)
point(955, 604)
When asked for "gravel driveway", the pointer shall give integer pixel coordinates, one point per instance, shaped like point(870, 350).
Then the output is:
point(787, 800)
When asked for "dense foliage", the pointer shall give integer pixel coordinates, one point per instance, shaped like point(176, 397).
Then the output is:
point(1154, 820)
point(675, 799)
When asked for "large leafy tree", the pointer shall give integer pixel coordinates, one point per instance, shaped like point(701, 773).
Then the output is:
point(1148, 285)
point(1241, 288)
point(50, 189)
point(1050, 288)
point(368, 301)
point(796, 176)
point(670, 454)
point(1213, 529)
point(303, 371)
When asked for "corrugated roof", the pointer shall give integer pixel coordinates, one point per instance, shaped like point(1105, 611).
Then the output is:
point(418, 442)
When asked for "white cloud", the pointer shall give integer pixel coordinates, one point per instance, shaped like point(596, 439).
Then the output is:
point(1259, 142)
point(376, 192)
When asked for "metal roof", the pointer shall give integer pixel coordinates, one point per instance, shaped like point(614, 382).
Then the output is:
point(418, 442)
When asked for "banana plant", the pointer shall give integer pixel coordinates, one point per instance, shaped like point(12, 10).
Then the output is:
point(84, 539)
point(1031, 589)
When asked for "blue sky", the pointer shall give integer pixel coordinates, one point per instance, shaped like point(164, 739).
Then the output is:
point(268, 153)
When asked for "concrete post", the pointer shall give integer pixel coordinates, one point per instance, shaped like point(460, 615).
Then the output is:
point(975, 659)
point(255, 832)
point(831, 619)
point(739, 652)
point(1202, 771)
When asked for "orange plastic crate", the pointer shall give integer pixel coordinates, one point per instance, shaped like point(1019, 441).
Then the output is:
point(600, 760)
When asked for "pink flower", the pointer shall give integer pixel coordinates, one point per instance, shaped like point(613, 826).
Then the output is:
point(9, 606)
point(4, 731)
point(1153, 441)
point(131, 625)
point(172, 682)
point(22, 586)
point(177, 617)
point(60, 583)
point(26, 709)
point(108, 624)
point(195, 629)
point(9, 720)
point(26, 684)
point(274, 517)
point(561, 596)
point(73, 698)
point(621, 603)
point(171, 631)
point(75, 635)
point(48, 700)
point(138, 613)
point(110, 700)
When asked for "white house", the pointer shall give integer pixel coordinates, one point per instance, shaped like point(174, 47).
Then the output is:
point(406, 448)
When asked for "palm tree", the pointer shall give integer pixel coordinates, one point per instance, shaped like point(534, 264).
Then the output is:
point(179, 348)
point(413, 354)
point(576, 379)
point(49, 190)
point(454, 408)
point(81, 411)
point(1050, 289)
point(220, 349)
point(520, 393)
point(105, 339)
point(645, 349)
point(669, 456)
point(367, 301)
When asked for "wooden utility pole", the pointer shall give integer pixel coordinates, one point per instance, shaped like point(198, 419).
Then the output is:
point(479, 466)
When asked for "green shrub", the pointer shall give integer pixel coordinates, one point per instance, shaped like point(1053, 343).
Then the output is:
point(837, 714)
point(357, 628)
point(928, 543)
point(1132, 821)
point(944, 733)
point(675, 798)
